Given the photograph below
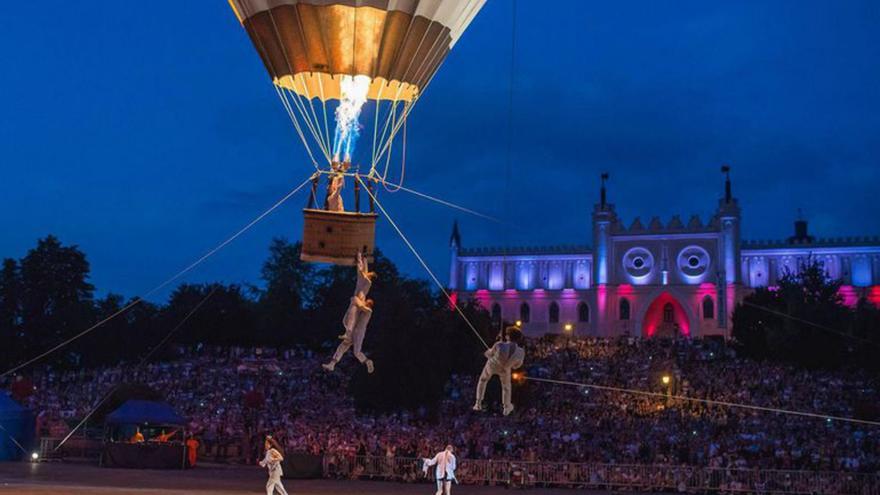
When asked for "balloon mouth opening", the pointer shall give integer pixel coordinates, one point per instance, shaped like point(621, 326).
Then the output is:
point(325, 86)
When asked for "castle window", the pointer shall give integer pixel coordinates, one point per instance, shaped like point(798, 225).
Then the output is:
point(668, 313)
point(524, 312)
point(496, 313)
point(708, 308)
point(583, 312)
point(554, 312)
point(624, 309)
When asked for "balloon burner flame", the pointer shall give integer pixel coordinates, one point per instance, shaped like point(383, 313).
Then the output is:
point(353, 96)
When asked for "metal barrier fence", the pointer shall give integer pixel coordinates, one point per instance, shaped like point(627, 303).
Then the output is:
point(682, 479)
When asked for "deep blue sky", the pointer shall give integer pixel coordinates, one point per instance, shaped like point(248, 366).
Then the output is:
point(146, 132)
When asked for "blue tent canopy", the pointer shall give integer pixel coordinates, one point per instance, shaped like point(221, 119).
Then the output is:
point(18, 426)
point(145, 411)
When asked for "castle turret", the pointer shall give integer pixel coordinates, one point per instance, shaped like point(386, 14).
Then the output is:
point(604, 217)
point(454, 246)
point(728, 218)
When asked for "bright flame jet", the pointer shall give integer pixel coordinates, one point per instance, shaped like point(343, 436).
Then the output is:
point(353, 96)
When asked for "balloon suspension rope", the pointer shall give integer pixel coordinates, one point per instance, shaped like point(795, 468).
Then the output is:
point(139, 365)
point(162, 285)
point(424, 265)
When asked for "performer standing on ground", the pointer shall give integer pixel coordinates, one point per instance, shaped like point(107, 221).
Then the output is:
point(272, 462)
point(444, 473)
point(192, 450)
point(506, 355)
point(356, 318)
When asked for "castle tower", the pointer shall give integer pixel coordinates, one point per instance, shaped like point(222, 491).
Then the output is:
point(728, 277)
point(454, 246)
point(604, 217)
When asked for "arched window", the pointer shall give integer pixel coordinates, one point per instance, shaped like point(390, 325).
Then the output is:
point(524, 313)
point(583, 312)
point(624, 308)
point(554, 312)
point(668, 313)
point(496, 313)
point(708, 308)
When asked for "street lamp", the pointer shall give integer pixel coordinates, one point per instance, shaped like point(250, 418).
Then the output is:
point(667, 381)
point(568, 327)
point(519, 323)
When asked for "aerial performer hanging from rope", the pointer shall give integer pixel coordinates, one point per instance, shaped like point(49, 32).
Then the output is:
point(356, 318)
point(501, 359)
point(365, 60)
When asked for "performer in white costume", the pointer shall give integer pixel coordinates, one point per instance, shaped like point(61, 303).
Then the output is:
point(361, 289)
point(505, 356)
point(335, 186)
point(272, 462)
point(356, 319)
point(444, 473)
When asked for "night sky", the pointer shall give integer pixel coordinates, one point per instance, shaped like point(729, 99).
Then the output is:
point(147, 132)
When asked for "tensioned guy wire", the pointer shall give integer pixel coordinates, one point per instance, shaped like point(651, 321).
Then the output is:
point(424, 265)
point(162, 285)
point(705, 401)
point(139, 365)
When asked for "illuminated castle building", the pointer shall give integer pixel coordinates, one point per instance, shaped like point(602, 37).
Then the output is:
point(661, 279)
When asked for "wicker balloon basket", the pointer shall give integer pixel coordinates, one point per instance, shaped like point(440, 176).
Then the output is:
point(337, 237)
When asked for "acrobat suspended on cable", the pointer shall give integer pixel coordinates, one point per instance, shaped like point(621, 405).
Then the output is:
point(501, 359)
point(356, 318)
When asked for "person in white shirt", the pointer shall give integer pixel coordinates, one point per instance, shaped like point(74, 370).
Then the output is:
point(505, 356)
point(444, 472)
point(272, 462)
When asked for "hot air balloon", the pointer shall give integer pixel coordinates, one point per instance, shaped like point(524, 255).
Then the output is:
point(327, 59)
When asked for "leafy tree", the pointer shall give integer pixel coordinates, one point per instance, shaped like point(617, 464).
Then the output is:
point(56, 297)
point(10, 310)
point(227, 318)
point(290, 285)
point(802, 321)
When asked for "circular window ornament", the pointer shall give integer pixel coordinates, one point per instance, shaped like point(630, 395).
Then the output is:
point(638, 263)
point(693, 262)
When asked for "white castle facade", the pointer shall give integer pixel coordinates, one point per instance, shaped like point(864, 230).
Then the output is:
point(663, 279)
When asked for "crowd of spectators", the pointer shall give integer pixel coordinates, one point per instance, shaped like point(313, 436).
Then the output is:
point(234, 395)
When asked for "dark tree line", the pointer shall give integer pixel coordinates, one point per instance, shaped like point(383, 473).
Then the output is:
point(414, 336)
point(804, 321)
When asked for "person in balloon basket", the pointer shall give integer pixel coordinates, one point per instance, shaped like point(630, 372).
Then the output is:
point(356, 318)
point(444, 472)
point(272, 462)
point(335, 185)
point(505, 356)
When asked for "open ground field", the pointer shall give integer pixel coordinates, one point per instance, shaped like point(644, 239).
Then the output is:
point(79, 479)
